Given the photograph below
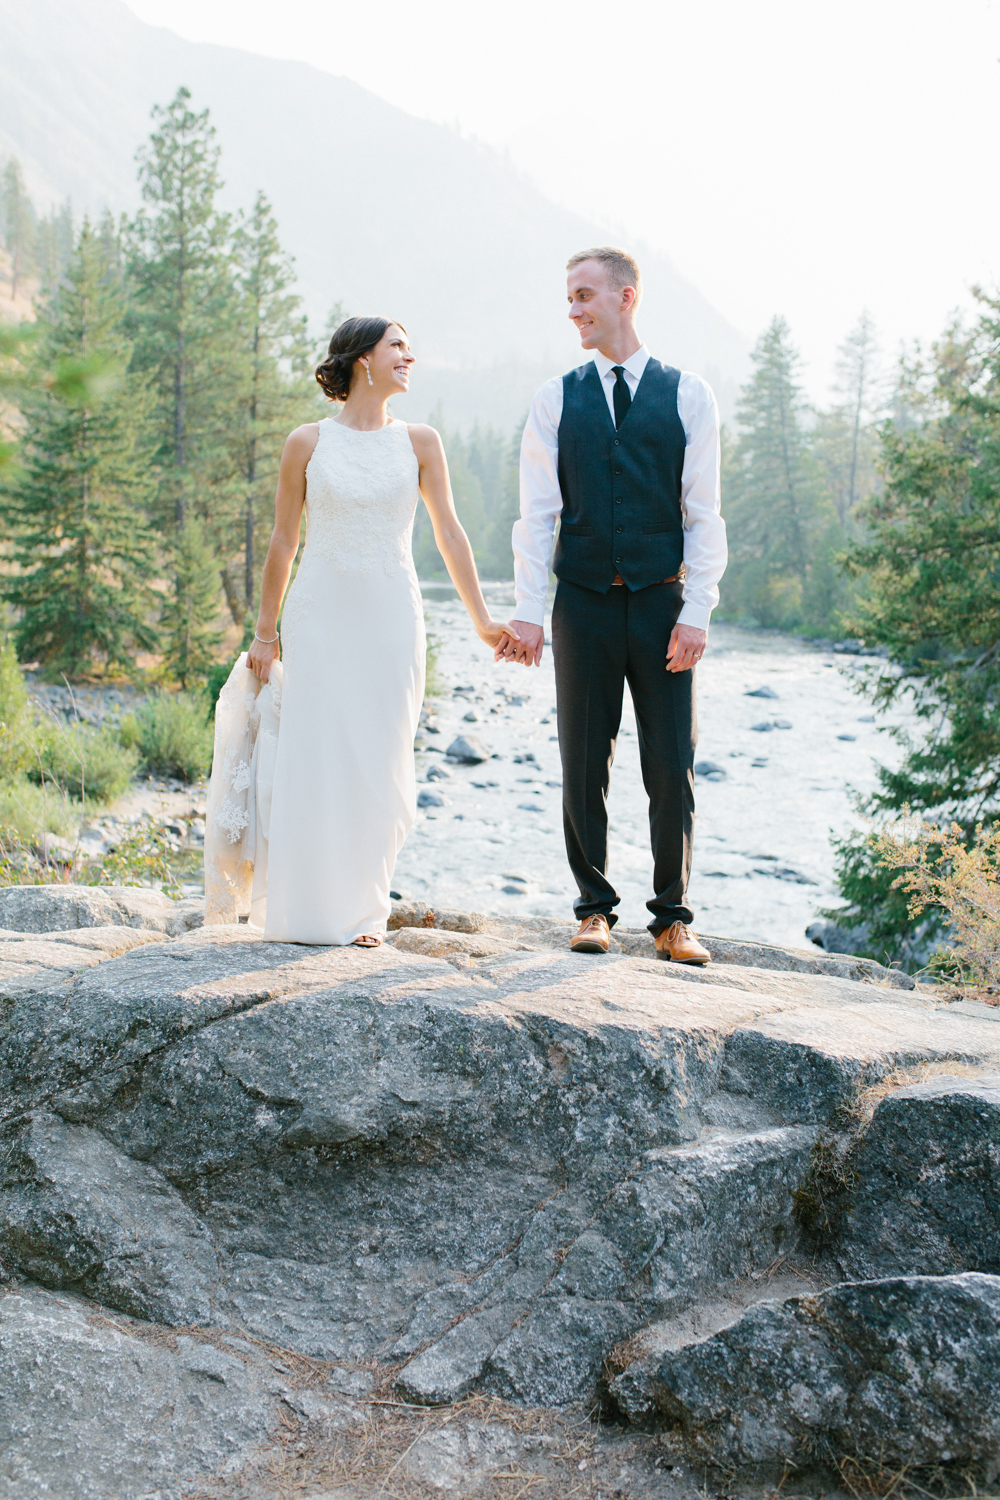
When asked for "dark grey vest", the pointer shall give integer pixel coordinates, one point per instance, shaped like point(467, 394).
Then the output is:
point(621, 491)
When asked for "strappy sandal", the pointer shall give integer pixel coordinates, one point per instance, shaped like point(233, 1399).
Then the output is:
point(367, 940)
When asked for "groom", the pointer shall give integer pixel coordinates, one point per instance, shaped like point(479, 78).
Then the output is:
point(624, 452)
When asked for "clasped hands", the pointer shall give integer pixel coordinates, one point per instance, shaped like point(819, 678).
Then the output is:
point(523, 643)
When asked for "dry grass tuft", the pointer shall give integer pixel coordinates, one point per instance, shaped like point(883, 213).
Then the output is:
point(867, 1478)
point(307, 1373)
point(369, 1455)
point(625, 1353)
point(957, 870)
point(870, 1098)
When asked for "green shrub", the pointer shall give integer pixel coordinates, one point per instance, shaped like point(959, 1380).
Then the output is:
point(215, 681)
point(13, 693)
point(435, 685)
point(218, 675)
point(172, 735)
point(17, 859)
point(16, 718)
point(87, 763)
point(29, 810)
point(128, 731)
point(80, 760)
point(142, 856)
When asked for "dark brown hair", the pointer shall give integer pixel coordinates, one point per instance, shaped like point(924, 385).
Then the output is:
point(354, 338)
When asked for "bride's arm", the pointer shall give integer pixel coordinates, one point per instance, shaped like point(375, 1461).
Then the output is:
point(449, 534)
point(284, 544)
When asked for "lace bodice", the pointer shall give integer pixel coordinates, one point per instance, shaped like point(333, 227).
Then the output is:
point(361, 497)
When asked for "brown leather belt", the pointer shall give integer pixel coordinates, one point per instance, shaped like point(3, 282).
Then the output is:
point(619, 579)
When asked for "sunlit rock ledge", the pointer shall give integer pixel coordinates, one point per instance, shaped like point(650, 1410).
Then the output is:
point(471, 1162)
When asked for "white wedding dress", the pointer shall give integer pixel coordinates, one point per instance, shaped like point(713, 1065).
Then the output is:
point(328, 821)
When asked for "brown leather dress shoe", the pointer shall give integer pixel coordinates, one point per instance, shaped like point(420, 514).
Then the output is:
point(679, 944)
point(593, 937)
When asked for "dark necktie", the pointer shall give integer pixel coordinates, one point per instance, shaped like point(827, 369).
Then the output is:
point(622, 394)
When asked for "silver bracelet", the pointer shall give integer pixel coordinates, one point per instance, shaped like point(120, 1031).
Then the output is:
point(262, 640)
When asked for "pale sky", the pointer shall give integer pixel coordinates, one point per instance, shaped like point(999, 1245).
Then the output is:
point(796, 156)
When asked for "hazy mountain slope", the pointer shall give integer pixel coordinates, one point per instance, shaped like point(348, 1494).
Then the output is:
point(381, 210)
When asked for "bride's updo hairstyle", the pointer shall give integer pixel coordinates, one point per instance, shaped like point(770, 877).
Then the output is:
point(354, 338)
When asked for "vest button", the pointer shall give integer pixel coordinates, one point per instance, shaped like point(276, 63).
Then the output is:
point(618, 471)
point(619, 528)
point(617, 561)
point(617, 442)
point(618, 499)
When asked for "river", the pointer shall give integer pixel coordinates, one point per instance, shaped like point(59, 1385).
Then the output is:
point(763, 861)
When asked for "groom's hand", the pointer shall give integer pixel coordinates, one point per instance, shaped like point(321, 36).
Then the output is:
point(686, 648)
point(527, 650)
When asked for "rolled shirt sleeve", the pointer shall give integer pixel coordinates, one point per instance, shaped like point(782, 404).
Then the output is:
point(541, 503)
point(705, 550)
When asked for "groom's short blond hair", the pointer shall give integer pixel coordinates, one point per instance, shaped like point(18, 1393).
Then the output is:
point(622, 268)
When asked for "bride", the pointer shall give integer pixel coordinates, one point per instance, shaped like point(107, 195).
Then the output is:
point(343, 794)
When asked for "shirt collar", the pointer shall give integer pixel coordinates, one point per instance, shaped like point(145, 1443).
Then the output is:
point(635, 364)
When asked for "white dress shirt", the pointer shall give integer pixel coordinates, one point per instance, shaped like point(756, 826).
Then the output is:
point(541, 501)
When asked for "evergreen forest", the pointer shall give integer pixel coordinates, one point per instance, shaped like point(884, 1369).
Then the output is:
point(158, 364)
point(146, 398)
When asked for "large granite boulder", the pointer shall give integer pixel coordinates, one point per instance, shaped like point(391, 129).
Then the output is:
point(74, 1212)
point(539, 1325)
point(57, 908)
point(806, 1064)
point(93, 1408)
point(460, 1164)
point(469, 1160)
point(893, 1374)
point(33, 962)
point(927, 1175)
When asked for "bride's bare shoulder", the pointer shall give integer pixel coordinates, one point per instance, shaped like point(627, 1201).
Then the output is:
point(301, 442)
point(426, 440)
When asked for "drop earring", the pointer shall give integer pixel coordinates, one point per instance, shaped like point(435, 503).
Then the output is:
point(368, 372)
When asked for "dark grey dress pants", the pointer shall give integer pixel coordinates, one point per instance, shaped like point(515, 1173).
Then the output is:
point(600, 642)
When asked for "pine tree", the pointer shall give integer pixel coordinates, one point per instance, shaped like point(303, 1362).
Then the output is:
point(55, 242)
point(503, 500)
point(928, 561)
point(190, 632)
point(277, 390)
point(18, 224)
point(426, 558)
point(334, 318)
point(858, 383)
point(846, 437)
point(466, 470)
point(777, 513)
point(83, 554)
point(182, 280)
point(484, 480)
point(15, 343)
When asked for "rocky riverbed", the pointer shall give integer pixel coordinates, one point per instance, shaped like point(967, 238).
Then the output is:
point(784, 738)
point(472, 1214)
